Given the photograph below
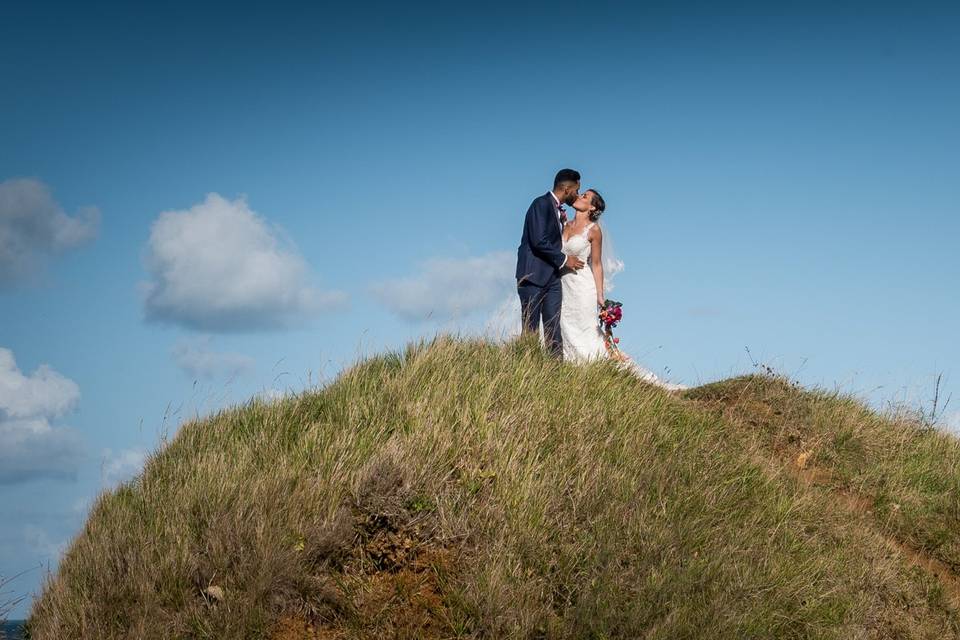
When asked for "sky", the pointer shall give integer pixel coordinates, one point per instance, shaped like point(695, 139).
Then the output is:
point(199, 204)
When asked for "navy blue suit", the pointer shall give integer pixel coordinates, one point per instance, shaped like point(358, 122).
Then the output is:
point(539, 261)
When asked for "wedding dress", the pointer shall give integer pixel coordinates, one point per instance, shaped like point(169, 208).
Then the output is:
point(582, 337)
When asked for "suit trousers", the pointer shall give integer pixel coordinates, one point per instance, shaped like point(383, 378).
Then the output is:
point(543, 304)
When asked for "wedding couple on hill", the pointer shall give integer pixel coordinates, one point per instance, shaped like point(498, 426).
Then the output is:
point(560, 275)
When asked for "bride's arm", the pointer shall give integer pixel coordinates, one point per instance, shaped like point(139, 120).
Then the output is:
point(596, 261)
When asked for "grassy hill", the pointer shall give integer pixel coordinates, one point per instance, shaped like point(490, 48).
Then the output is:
point(462, 490)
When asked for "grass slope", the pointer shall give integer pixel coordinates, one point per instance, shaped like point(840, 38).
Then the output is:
point(462, 490)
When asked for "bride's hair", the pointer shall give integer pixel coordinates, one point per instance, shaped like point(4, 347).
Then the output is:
point(596, 201)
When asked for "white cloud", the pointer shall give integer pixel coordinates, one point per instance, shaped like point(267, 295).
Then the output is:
point(218, 266)
point(39, 542)
point(33, 227)
point(275, 395)
point(198, 360)
point(30, 447)
point(952, 422)
point(504, 323)
point(121, 466)
point(450, 288)
point(81, 506)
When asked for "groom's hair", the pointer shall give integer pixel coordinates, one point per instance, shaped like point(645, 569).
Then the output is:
point(566, 175)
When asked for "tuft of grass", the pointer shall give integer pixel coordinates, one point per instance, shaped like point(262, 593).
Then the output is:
point(9, 600)
point(457, 489)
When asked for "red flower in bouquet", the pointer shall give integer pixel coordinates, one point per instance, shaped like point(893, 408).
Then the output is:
point(611, 313)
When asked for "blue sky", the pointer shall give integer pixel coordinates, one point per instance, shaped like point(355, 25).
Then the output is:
point(786, 180)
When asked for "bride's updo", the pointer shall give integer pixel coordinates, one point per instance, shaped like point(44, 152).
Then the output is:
point(597, 201)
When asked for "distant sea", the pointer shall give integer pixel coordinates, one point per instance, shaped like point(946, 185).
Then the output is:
point(12, 630)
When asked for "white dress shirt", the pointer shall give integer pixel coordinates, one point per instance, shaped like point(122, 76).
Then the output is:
point(557, 205)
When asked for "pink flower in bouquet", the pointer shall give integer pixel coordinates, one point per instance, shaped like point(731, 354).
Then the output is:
point(611, 313)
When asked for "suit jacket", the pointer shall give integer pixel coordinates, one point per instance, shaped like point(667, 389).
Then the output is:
point(539, 258)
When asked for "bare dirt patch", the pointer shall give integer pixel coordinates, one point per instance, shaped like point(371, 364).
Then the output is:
point(393, 588)
point(392, 582)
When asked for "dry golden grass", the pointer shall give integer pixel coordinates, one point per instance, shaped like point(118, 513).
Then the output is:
point(8, 601)
point(463, 490)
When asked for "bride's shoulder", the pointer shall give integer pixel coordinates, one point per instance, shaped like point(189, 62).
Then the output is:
point(594, 230)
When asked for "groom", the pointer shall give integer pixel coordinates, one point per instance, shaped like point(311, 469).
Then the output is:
point(539, 259)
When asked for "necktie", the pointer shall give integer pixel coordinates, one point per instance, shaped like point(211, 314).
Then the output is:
point(563, 215)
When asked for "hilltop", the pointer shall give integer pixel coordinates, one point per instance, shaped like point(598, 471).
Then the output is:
point(463, 490)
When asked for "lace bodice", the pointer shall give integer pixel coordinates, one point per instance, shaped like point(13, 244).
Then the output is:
point(579, 244)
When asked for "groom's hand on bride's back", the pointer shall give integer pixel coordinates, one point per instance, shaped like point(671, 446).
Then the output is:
point(573, 262)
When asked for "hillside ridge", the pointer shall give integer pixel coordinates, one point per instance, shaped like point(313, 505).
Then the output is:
point(459, 489)
point(858, 502)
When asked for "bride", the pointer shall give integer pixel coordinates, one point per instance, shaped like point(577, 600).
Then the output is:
point(583, 290)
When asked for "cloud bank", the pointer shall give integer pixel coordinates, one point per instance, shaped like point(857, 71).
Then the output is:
point(197, 359)
point(33, 228)
point(952, 422)
point(218, 266)
point(504, 322)
point(449, 288)
point(121, 466)
point(30, 447)
point(39, 542)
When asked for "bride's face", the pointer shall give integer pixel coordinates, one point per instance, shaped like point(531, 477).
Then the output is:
point(584, 202)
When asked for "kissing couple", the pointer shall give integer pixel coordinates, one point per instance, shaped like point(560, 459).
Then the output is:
point(560, 276)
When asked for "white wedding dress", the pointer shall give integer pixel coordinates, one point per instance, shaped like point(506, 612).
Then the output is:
point(579, 326)
point(582, 337)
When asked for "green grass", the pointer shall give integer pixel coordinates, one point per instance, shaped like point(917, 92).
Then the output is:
point(463, 490)
point(907, 474)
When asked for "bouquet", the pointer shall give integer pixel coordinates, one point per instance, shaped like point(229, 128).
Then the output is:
point(611, 313)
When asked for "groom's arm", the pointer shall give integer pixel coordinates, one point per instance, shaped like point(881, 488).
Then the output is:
point(538, 217)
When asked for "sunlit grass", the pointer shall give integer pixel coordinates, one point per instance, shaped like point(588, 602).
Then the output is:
point(460, 489)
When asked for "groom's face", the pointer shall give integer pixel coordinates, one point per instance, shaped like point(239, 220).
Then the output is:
point(573, 189)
